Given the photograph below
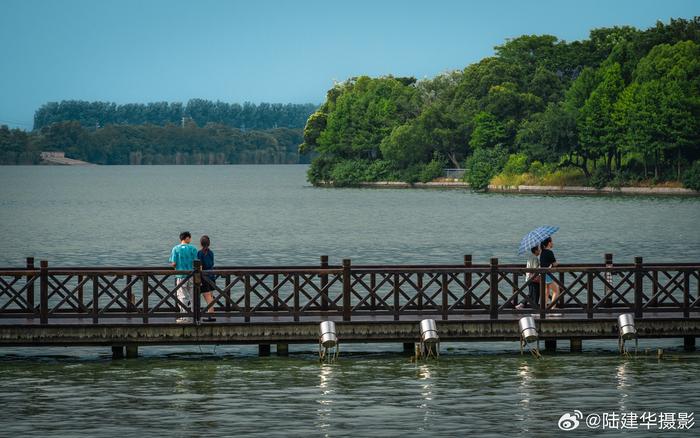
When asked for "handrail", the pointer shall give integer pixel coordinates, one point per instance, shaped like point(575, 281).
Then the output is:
point(492, 290)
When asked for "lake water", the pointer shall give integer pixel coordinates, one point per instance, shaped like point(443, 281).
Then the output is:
point(120, 216)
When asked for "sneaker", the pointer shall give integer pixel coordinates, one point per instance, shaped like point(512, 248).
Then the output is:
point(520, 306)
point(209, 319)
point(183, 320)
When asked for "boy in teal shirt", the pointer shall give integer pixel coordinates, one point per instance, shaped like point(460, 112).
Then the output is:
point(182, 258)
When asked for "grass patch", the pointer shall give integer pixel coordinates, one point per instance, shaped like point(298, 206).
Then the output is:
point(568, 176)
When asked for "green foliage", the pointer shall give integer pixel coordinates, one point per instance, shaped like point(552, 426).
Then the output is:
point(488, 131)
point(348, 173)
point(691, 177)
point(599, 178)
point(433, 169)
point(619, 94)
point(516, 164)
point(410, 174)
point(406, 145)
point(246, 116)
point(17, 147)
point(598, 131)
point(380, 170)
point(537, 168)
point(314, 125)
point(320, 169)
point(149, 144)
point(364, 113)
point(483, 165)
point(548, 135)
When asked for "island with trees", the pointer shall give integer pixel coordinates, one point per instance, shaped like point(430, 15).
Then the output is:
point(619, 108)
point(200, 132)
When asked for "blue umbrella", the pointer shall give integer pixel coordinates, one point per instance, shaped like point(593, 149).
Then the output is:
point(535, 237)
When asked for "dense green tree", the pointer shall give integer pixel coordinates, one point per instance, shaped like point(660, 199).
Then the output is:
point(488, 131)
point(365, 113)
point(406, 145)
point(599, 134)
point(546, 136)
point(659, 112)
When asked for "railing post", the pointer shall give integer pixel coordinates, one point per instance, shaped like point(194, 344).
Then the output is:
point(129, 295)
point(467, 282)
point(30, 285)
point(607, 302)
point(296, 297)
point(324, 283)
point(419, 298)
point(686, 294)
point(397, 302)
point(589, 295)
point(144, 295)
point(654, 289)
point(95, 299)
point(275, 298)
point(543, 295)
point(638, 287)
point(493, 304)
point(81, 298)
point(228, 292)
point(347, 309)
point(246, 299)
point(196, 288)
point(445, 293)
point(44, 292)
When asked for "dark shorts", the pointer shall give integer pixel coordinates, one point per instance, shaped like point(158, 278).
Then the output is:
point(534, 290)
point(206, 286)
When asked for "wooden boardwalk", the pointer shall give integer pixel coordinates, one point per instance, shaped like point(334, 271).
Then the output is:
point(370, 303)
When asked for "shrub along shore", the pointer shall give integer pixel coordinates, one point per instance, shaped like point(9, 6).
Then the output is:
point(533, 190)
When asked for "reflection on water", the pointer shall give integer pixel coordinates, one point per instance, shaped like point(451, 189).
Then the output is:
point(622, 384)
point(425, 377)
point(325, 399)
point(363, 394)
point(525, 375)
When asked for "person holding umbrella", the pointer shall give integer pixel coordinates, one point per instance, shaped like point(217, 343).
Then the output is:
point(531, 242)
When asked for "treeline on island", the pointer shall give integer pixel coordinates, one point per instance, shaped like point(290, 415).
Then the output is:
point(152, 144)
point(619, 108)
point(200, 132)
point(245, 117)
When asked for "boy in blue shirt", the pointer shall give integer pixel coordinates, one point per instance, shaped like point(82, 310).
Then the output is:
point(182, 258)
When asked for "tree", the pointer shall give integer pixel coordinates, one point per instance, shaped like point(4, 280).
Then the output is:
point(548, 135)
point(599, 134)
point(408, 144)
point(659, 112)
point(363, 113)
point(312, 131)
point(488, 131)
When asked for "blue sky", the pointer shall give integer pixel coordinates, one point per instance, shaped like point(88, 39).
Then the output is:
point(265, 51)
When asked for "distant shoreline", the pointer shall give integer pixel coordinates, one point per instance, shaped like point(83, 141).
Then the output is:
point(535, 190)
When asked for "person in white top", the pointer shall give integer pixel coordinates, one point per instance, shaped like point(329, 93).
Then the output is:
point(533, 262)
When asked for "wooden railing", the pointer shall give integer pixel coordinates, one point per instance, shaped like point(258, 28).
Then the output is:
point(295, 293)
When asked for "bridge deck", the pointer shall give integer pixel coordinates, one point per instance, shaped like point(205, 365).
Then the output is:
point(284, 304)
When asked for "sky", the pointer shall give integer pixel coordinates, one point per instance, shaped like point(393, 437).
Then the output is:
point(266, 51)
